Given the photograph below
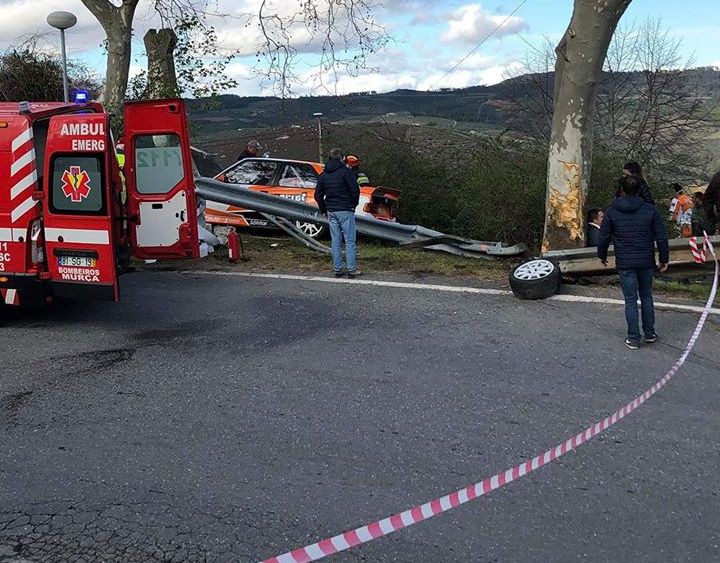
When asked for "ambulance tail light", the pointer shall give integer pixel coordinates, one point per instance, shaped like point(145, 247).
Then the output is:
point(37, 242)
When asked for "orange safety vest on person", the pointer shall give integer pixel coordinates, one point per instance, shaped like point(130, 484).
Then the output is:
point(682, 215)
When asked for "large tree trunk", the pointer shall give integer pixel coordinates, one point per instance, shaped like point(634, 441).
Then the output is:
point(160, 49)
point(580, 57)
point(117, 23)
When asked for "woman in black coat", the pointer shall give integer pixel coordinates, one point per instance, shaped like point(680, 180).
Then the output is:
point(633, 168)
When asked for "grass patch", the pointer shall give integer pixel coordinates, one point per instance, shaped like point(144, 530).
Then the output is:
point(288, 255)
point(698, 291)
point(373, 258)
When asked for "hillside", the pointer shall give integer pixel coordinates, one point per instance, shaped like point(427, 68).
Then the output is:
point(486, 105)
point(438, 120)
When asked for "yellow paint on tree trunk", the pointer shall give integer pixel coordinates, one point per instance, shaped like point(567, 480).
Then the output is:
point(565, 206)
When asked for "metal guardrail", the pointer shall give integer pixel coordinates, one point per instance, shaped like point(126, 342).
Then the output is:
point(409, 236)
point(585, 260)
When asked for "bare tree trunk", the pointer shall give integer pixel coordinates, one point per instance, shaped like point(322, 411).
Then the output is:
point(117, 23)
point(160, 49)
point(580, 57)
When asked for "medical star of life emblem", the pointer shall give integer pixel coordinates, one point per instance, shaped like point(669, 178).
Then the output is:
point(76, 184)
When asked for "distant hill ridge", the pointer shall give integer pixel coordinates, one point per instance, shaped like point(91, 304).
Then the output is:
point(484, 104)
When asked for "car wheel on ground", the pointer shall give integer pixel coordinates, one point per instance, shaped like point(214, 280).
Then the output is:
point(313, 230)
point(535, 279)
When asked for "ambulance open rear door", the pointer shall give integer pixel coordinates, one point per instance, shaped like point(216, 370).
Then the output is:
point(159, 175)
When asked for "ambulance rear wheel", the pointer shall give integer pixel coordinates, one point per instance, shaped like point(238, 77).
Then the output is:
point(535, 279)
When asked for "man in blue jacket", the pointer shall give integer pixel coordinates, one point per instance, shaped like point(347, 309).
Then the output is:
point(337, 193)
point(634, 227)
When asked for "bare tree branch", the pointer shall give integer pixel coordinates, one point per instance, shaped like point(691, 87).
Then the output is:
point(344, 32)
point(649, 106)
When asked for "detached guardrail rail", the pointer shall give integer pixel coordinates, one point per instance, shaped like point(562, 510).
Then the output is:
point(585, 260)
point(408, 236)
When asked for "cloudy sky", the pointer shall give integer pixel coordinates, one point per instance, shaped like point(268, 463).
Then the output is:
point(429, 38)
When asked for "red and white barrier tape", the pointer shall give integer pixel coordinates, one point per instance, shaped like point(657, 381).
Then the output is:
point(401, 520)
point(699, 255)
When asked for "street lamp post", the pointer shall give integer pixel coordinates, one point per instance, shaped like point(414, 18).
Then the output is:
point(320, 148)
point(63, 21)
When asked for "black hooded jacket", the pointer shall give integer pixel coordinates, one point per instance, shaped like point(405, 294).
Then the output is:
point(633, 226)
point(337, 188)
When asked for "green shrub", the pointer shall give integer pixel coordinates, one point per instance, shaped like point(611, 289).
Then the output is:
point(494, 193)
point(497, 194)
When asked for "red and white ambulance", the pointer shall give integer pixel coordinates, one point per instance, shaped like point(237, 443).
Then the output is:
point(69, 220)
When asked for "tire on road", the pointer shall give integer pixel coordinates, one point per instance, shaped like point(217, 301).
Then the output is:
point(535, 279)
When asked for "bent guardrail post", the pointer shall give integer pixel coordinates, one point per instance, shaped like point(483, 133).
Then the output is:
point(289, 228)
point(232, 194)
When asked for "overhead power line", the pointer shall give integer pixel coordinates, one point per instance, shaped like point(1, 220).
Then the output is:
point(480, 44)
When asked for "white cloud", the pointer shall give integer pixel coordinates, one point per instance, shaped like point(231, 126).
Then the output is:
point(462, 78)
point(20, 19)
point(417, 64)
point(136, 69)
point(472, 23)
point(399, 70)
point(240, 31)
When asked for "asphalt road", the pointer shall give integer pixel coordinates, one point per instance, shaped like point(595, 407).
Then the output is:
point(210, 418)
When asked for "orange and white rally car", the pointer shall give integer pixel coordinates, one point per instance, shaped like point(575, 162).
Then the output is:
point(293, 179)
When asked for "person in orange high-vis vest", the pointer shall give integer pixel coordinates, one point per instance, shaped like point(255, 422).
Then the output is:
point(681, 212)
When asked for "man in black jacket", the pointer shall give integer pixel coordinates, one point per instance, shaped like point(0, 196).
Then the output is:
point(337, 193)
point(594, 220)
point(711, 204)
point(634, 227)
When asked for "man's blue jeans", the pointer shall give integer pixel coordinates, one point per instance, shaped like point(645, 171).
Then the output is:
point(634, 282)
point(342, 225)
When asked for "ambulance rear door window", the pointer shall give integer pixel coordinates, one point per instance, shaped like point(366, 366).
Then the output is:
point(159, 163)
point(77, 185)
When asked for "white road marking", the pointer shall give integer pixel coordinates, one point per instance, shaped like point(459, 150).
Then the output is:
point(609, 301)
point(382, 283)
point(445, 288)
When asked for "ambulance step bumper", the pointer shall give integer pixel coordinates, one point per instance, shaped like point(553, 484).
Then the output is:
point(23, 290)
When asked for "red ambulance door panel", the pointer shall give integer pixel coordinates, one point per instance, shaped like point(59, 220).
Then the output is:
point(159, 175)
point(77, 209)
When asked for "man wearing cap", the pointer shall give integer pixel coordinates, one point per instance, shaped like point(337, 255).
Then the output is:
point(251, 150)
